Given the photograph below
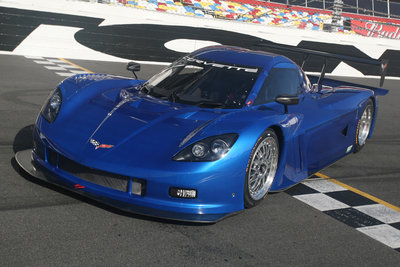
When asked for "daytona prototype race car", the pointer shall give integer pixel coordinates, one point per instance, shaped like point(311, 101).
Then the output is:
point(207, 137)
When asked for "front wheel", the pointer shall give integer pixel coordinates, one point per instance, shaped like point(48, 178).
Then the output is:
point(261, 168)
point(364, 126)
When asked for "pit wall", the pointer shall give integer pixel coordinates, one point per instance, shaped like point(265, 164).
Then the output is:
point(267, 13)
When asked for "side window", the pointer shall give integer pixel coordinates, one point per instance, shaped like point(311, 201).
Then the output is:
point(280, 81)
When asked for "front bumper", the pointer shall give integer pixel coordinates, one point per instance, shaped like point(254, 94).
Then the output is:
point(35, 166)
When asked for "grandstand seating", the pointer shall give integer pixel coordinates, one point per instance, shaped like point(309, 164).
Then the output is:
point(250, 11)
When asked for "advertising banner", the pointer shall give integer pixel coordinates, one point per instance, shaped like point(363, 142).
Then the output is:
point(374, 29)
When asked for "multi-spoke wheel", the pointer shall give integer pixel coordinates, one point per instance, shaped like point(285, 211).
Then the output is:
point(261, 168)
point(364, 126)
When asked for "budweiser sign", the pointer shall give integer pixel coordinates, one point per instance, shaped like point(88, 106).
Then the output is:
point(373, 29)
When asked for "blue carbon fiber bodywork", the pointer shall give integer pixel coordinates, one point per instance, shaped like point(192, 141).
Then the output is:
point(144, 133)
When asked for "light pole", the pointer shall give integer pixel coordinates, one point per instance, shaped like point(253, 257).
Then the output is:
point(337, 14)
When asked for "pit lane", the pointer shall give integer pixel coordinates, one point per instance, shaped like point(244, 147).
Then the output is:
point(42, 224)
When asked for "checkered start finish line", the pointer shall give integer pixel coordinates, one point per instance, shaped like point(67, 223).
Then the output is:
point(365, 215)
point(60, 67)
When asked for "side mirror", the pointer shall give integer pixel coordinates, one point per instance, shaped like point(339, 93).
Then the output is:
point(287, 100)
point(133, 66)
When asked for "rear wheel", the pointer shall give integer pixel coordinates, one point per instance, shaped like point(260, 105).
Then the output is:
point(261, 168)
point(364, 126)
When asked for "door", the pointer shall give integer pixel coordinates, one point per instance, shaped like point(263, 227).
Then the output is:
point(326, 129)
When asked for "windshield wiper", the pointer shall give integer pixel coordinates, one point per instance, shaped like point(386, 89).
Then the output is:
point(150, 91)
point(145, 89)
point(173, 97)
point(209, 104)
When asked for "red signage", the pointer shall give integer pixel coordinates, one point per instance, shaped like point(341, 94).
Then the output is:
point(373, 29)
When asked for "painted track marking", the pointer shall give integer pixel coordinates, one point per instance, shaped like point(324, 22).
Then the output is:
point(77, 66)
point(355, 190)
point(62, 66)
point(367, 214)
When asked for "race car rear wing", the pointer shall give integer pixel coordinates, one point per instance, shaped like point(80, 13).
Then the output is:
point(382, 64)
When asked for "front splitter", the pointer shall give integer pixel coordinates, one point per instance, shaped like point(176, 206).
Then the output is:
point(27, 163)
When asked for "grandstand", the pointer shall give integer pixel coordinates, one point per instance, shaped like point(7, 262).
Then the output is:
point(303, 14)
point(246, 11)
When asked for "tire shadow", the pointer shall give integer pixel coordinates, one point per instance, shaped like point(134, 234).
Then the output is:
point(24, 139)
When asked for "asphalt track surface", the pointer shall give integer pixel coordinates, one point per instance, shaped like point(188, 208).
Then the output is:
point(43, 225)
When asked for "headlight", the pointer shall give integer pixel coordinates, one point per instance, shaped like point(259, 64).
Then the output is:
point(209, 149)
point(52, 106)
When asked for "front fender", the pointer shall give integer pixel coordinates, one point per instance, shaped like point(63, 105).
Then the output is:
point(82, 88)
point(285, 125)
point(89, 85)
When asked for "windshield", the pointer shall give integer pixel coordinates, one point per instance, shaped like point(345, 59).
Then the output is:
point(203, 83)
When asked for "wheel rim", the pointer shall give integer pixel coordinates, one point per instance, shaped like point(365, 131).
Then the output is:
point(365, 125)
point(263, 167)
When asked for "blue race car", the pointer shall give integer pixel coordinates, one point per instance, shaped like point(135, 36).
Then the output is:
point(207, 137)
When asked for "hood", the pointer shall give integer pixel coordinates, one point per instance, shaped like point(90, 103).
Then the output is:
point(136, 129)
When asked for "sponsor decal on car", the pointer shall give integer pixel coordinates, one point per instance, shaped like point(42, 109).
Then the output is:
point(97, 145)
point(218, 65)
